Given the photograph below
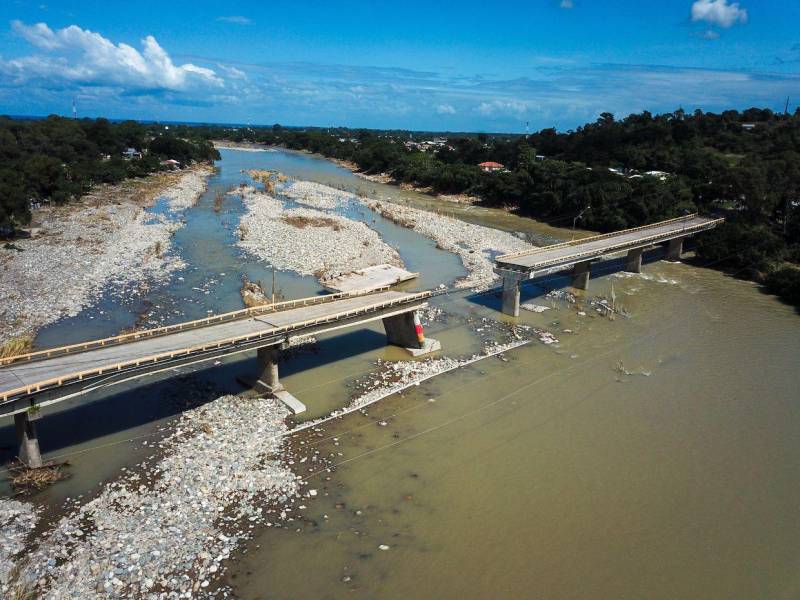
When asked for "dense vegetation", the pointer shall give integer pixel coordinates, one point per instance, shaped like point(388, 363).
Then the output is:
point(57, 159)
point(743, 165)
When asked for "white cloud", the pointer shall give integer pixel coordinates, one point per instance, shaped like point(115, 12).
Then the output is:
point(718, 12)
point(232, 72)
point(81, 56)
point(235, 19)
point(503, 108)
point(567, 4)
point(445, 109)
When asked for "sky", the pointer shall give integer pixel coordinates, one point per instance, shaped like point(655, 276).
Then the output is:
point(444, 66)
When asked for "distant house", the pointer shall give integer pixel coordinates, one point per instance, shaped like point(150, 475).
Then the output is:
point(749, 126)
point(491, 167)
point(660, 175)
point(171, 164)
point(132, 153)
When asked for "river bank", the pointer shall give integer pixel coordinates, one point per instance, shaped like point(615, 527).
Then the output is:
point(105, 242)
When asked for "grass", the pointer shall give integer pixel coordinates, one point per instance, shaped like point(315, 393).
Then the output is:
point(218, 201)
point(16, 346)
point(302, 222)
point(21, 589)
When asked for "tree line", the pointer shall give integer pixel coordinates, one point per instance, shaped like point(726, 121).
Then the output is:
point(57, 159)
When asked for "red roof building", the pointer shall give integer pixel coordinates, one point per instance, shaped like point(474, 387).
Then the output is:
point(491, 167)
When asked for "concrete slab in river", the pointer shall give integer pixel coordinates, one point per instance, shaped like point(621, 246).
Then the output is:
point(365, 279)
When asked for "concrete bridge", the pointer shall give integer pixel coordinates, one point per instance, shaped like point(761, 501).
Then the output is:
point(579, 254)
point(32, 381)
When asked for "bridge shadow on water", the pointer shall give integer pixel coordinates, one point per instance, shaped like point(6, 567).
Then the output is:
point(541, 286)
point(134, 404)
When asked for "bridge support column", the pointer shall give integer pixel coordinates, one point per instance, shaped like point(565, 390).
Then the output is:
point(268, 382)
point(580, 275)
point(675, 249)
point(28, 441)
point(633, 262)
point(510, 296)
point(268, 368)
point(405, 330)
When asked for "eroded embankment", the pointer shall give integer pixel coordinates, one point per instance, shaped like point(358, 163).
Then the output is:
point(105, 241)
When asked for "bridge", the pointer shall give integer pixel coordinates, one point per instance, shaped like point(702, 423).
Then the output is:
point(579, 254)
point(32, 381)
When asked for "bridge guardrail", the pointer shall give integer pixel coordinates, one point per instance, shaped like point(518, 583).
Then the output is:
point(590, 253)
point(593, 238)
point(197, 323)
point(156, 358)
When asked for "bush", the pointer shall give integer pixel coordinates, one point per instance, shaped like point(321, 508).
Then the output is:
point(785, 282)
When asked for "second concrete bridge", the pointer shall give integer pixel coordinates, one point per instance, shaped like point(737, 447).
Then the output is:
point(579, 254)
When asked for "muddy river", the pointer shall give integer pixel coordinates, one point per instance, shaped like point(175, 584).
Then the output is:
point(655, 455)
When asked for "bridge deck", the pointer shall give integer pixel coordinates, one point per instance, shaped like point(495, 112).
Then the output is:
point(594, 247)
point(23, 374)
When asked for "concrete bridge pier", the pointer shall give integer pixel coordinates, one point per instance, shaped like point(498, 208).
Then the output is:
point(633, 262)
point(675, 249)
point(580, 275)
point(268, 381)
point(268, 368)
point(405, 330)
point(511, 291)
point(28, 440)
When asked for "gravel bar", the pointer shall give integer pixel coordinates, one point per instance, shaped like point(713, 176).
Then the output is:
point(309, 241)
point(105, 241)
point(167, 528)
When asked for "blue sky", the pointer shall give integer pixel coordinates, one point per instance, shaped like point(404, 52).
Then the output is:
point(476, 66)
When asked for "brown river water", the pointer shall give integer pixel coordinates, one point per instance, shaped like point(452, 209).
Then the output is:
point(554, 475)
point(651, 456)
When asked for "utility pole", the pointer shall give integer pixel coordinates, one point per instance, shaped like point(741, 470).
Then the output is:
point(577, 218)
point(786, 110)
